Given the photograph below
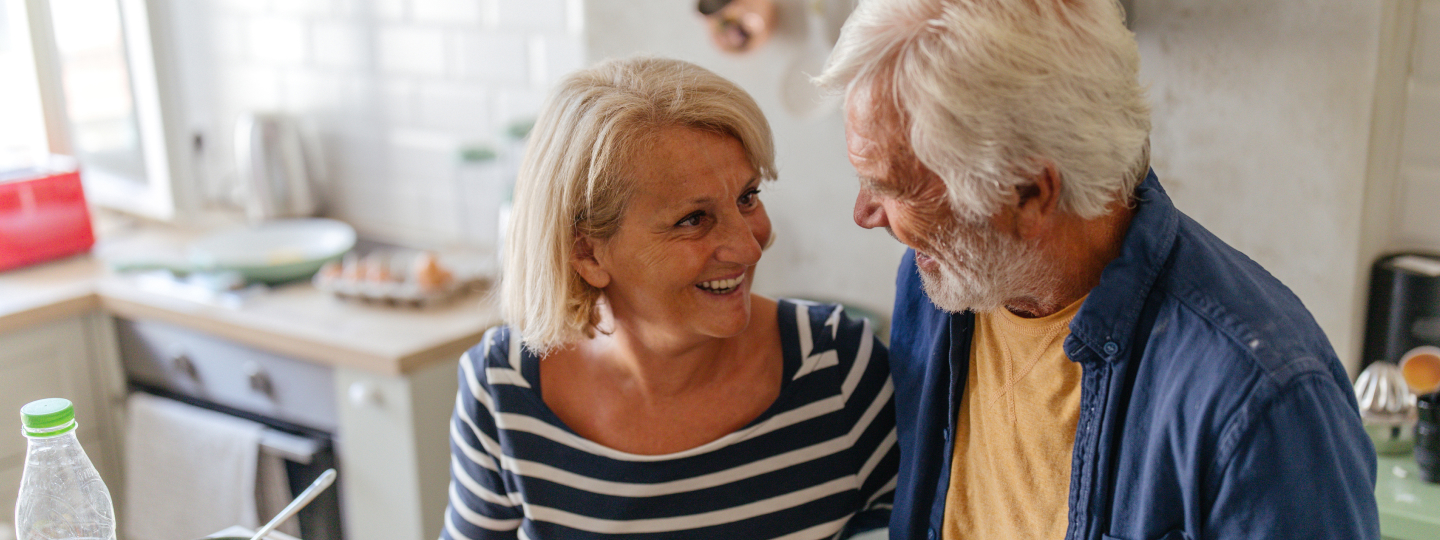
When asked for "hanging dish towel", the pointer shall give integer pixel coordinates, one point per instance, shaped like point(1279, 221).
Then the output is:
point(188, 471)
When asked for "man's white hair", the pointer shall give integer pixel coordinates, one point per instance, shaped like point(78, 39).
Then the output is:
point(992, 90)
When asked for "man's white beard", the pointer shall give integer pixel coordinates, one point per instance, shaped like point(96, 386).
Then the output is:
point(980, 268)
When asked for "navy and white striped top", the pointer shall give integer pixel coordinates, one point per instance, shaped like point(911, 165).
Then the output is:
point(819, 463)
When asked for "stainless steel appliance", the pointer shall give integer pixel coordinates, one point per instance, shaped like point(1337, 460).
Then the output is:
point(294, 399)
point(277, 174)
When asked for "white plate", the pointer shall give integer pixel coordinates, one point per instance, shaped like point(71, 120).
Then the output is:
point(272, 243)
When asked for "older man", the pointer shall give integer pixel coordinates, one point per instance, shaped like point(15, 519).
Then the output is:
point(1073, 357)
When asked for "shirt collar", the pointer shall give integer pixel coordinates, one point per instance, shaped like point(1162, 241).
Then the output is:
point(1106, 322)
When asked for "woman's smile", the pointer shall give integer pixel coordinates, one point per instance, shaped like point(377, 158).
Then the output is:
point(722, 286)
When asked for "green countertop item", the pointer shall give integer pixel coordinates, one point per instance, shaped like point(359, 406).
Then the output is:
point(1409, 506)
point(48, 417)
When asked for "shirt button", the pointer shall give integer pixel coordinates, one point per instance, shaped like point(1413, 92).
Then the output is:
point(1111, 347)
point(930, 535)
point(946, 434)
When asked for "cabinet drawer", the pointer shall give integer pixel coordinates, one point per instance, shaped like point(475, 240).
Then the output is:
point(227, 373)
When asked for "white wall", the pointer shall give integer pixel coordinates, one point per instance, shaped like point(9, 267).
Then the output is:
point(819, 252)
point(1261, 127)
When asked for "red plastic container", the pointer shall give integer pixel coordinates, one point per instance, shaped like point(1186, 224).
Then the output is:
point(43, 216)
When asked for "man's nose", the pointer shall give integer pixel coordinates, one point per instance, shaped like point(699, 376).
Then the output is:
point(868, 211)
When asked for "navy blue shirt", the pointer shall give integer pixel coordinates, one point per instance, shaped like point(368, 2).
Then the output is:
point(819, 463)
point(1212, 405)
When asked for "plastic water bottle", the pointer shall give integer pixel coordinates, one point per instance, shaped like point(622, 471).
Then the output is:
point(61, 494)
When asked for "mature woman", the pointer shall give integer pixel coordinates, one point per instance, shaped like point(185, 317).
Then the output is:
point(640, 390)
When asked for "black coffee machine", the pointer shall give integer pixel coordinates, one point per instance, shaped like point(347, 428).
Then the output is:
point(1404, 307)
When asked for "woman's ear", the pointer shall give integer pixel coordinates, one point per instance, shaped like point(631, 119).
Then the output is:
point(585, 262)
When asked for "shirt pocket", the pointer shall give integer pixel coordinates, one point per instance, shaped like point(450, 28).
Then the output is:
point(1176, 534)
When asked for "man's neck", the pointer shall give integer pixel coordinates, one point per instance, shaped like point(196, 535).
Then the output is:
point(1079, 253)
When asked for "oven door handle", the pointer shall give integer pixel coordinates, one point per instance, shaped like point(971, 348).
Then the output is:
point(295, 448)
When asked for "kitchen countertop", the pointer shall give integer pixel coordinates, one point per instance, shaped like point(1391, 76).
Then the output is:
point(1409, 506)
point(295, 320)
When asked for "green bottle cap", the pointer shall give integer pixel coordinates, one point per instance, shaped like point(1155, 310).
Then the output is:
point(48, 417)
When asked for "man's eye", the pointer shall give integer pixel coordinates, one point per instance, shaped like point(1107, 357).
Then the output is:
point(691, 220)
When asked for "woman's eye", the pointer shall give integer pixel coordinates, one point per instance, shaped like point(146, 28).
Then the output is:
point(750, 198)
point(691, 220)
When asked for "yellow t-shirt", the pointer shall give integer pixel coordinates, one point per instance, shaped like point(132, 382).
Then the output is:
point(1015, 431)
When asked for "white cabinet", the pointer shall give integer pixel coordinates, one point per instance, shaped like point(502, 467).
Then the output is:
point(394, 442)
point(73, 358)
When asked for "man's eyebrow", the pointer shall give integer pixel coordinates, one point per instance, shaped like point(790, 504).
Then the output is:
point(881, 187)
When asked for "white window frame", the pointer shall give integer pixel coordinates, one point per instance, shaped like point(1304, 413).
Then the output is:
point(167, 192)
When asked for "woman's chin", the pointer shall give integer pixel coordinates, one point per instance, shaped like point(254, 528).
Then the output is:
point(730, 316)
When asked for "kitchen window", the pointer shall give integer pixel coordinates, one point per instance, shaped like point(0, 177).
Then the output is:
point(91, 72)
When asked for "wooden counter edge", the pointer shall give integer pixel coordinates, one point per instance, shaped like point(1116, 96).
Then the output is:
point(49, 312)
point(298, 348)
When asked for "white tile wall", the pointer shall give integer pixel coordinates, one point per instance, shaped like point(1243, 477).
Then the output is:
point(533, 14)
point(277, 41)
point(392, 90)
point(459, 12)
point(496, 57)
point(412, 50)
point(338, 45)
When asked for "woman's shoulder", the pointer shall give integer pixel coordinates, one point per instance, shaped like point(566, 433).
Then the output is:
point(812, 316)
point(819, 328)
point(496, 359)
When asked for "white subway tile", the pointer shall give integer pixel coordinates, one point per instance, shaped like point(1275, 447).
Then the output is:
point(229, 37)
point(460, 12)
point(339, 45)
point(277, 41)
point(423, 168)
point(1421, 147)
point(250, 88)
point(460, 109)
point(423, 184)
point(515, 105)
point(559, 54)
point(391, 10)
point(324, 92)
point(344, 9)
point(317, 8)
point(544, 15)
point(412, 50)
point(233, 7)
point(397, 101)
point(1425, 64)
point(493, 57)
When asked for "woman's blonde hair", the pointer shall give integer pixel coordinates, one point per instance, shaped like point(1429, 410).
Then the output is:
point(574, 180)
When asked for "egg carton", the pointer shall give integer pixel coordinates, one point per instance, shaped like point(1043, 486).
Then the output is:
point(385, 280)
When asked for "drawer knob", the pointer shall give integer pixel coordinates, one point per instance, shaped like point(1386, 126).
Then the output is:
point(259, 379)
point(364, 394)
point(182, 363)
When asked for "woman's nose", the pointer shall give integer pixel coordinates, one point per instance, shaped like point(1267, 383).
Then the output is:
point(869, 213)
point(738, 243)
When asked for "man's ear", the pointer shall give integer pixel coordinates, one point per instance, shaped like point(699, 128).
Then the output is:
point(584, 260)
point(1038, 202)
